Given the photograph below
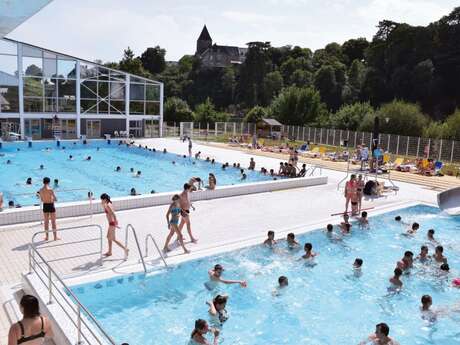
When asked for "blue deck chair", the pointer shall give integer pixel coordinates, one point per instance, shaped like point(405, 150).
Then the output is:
point(303, 148)
point(437, 167)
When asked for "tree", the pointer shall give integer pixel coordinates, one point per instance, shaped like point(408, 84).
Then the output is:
point(397, 117)
point(354, 49)
point(297, 106)
point(273, 83)
point(255, 114)
point(228, 85)
point(206, 112)
point(330, 81)
point(177, 110)
point(131, 64)
point(356, 75)
point(153, 59)
point(350, 116)
point(451, 127)
point(34, 70)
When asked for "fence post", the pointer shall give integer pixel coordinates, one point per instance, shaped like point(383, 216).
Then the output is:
point(215, 129)
point(407, 146)
point(388, 145)
point(356, 138)
point(440, 150)
point(321, 136)
point(207, 128)
point(303, 133)
point(397, 146)
point(199, 129)
point(234, 129)
point(418, 146)
point(309, 130)
point(298, 132)
point(429, 147)
point(50, 286)
point(362, 138)
point(452, 151)
point(333, 137)
point(225, 128)
point(314, 135)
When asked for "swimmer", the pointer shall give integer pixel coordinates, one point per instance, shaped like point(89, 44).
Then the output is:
point(243, 177)
point(345, 226)
point(215, 277)
point(282, 284)
point(309, 253)
point(234, 165)
point(70, 158)
point(164, 151)
point(133, 192)
point(173, 162)
point(363, 221)
point(212, 182)
point(380, 337)
point(270, 241)
point(184, 156)
point(413, 229)
point(131, 170)
point(399, 220)
point(238, 165)
point(217, 309)
point(29, 181)
point(56, 183)
point(207, 159)
point(223, 166)
point(42, 167)
point(213, 161)
point(118, 169)
point(196, 183)
point(88, 158)
point(199, 332)
point(407, 262)
point(252, 164)
point(439, 256)
point(395, 280)
point(152, 191)
point(423, 257)
point(8, 161)
point(197, 155)
point(430, 236)
point(357, 267)
point(330, 230)
point(444, 268)
point(291, 241)
point(10, 204)
point(138, 174)
point(272, 172)
point(1, 201)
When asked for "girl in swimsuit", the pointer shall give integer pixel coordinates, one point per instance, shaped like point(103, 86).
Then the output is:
point(217, 310)
point(198, 334)
point(113, 225)
point(33, 328)
point(173, 224)
point(350, 191)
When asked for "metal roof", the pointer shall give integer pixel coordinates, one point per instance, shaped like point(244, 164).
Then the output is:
point(271, 122)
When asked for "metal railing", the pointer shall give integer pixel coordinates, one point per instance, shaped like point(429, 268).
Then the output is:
point(87, 327)
point(131, 227)
point(150, 236)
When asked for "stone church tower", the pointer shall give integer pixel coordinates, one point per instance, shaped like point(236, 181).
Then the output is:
point(204, 41)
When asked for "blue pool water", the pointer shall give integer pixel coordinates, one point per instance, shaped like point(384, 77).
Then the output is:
point(98, 175)
point(323, 305)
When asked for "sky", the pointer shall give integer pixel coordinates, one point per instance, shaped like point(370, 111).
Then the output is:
point(101, 29)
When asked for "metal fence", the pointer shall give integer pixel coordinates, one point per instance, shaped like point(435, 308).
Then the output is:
point(418, 147)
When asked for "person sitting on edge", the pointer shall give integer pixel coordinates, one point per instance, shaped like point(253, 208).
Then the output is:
point(302, 171)
point(270, 241)
point(439, 256)
point(215, 277)
point(197, 155)
point(196, 183)
point(380, 337)
point(281, 170)
point(199, 332)
point(212, 182)
point(395, 280)
point(407, 261)
point(291, 241)
point(33, 328)
point(423, 257)
point(357, 267)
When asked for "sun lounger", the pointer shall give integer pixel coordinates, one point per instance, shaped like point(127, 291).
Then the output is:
point(314, 153)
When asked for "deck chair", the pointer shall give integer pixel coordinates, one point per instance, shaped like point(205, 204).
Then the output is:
point(437, 168)
point(398, 162)
point(313, 153)
point(303, 148)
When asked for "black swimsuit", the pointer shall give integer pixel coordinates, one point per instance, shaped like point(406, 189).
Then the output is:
point(49, 208)
point(24, 339)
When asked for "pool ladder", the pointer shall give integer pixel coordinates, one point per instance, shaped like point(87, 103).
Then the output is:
point(149, 236)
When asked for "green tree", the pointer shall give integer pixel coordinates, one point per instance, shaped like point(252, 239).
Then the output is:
point(131, 64)
point(330, 81)
point(398, 117)
point(229, 85)
point(206, 112)
point(350, 116)
point(354, 49)
point(273, 83)
point(153, 59)
point(297, 106)
point(356, 76)
point(177, 110)
point(255, 114)
point(451, 127)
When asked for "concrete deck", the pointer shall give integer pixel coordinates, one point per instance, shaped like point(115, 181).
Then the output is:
point(214, 223)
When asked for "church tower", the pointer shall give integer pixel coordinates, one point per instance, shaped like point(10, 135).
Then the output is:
point(204, 41)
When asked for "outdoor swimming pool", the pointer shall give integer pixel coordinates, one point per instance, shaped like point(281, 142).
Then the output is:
point(98, 175)
point(324, 304)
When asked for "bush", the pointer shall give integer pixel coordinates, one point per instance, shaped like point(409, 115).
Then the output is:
point(177, 110)
point(350, 116)
point(206, 112)
point(255, 114)
point(397, 117)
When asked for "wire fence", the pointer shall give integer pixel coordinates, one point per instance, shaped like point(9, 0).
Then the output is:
point(399, 145)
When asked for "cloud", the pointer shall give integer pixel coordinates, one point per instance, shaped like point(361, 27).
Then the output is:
point(253, 18)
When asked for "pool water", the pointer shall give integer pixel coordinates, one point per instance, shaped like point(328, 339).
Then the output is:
point(98, 175)
point(324, 304)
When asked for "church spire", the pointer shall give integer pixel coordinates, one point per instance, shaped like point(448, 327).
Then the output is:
point(205, 36)
point(204, 41)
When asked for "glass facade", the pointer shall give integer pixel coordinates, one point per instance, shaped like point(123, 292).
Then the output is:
point(50, 83)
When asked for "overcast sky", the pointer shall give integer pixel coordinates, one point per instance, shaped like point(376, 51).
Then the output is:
point(101, 29)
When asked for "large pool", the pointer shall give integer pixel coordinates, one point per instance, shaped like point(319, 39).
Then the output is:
point(324, 304)
point(98, 175)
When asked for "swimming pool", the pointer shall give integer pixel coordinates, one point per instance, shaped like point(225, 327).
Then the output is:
point(98, 175)
point(324, 304)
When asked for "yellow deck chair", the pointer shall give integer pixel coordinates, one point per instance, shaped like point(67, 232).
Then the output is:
point(386, 158)
point(322, 150)
point(398, 161)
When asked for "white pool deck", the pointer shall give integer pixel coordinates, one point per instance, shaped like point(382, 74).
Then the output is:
point(216, 223)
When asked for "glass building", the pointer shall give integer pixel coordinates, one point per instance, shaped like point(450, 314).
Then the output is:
point(45, 94)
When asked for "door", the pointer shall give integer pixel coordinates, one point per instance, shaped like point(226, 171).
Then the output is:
point(93, 128)
point(33, 128)
point(69, 129)
point(152, 130)
point(135, 128)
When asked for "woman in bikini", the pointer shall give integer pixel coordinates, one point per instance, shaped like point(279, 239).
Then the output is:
point(33, 328)
point(113, 225)
point(350, 192)
point(173, 224)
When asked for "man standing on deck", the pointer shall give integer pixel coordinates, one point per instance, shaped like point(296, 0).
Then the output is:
point(48, 198)
point(190, 147)
point(185, 205)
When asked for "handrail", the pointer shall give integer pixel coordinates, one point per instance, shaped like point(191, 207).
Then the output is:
point(150, 236)
point(131, 227)
point(50, 284)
